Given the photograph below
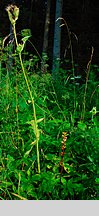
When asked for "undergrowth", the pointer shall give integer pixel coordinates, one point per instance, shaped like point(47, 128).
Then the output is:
point(54, 156)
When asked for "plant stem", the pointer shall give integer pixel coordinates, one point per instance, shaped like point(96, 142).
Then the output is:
point(14, 31)
point(32, 100)
point(34, 111)
point(86, 84)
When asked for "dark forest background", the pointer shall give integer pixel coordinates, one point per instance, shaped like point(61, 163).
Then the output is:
point(82, 17)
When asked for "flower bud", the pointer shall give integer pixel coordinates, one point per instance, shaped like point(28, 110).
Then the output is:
point(13, 13)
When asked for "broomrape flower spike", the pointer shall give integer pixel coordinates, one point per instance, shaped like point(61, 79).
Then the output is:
point(13, 13)
point(63, 142)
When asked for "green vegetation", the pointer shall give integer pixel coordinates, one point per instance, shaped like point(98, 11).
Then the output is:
point(49, 132)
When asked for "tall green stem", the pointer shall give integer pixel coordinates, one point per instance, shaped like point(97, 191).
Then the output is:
point(32, 100)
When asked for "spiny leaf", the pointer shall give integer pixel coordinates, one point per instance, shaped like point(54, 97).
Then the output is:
point(20, 47)
point(25, 39)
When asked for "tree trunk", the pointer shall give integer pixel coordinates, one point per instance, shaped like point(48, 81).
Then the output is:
point(57, 40)
point(31, 9)
point(45, 41)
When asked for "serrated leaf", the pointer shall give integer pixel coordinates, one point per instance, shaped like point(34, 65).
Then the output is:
point(20, 47)
point(25, 39)
point(26, 32)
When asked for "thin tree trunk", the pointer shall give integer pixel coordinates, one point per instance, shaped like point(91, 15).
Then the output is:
point(30, 18)
point(45, 41)
point(57, 40)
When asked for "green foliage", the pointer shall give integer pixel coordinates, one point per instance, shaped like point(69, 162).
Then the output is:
point(75, 175)
point(19, 178)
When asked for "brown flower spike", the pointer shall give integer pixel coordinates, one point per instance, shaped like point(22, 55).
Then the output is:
point(64, 139)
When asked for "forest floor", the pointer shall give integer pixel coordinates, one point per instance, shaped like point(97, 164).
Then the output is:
point(49, 135)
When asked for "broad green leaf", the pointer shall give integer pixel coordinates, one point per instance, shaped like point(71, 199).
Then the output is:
point(64, 182)
point(97, 180)
point(10, 158)
point(82, 126)
point(26, 32)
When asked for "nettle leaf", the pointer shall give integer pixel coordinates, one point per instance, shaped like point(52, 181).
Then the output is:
point(78, 187)
point(10, 158)
point(49, 157)
point(82, 126)
point(64, 182)
point(70, 187)
point(97, 180)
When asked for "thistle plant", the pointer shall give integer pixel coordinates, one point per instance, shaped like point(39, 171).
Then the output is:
point(13, 13)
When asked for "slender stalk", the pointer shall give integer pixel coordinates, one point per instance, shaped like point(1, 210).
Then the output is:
point(17, 114)
point(32, 100)
point(14, 31)
point(15, 35)
point(34, 110)
point(86, 84)
point(72, 58)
